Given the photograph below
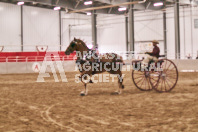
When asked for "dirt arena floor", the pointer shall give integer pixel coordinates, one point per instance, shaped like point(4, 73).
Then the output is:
point(29, 106)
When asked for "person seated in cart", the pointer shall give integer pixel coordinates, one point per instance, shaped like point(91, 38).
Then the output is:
point(152, 56)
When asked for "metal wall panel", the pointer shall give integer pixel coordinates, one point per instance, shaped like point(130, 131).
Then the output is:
point(111, 33)
point(75, 25)
point(148, 26)
point(41, 27)
point(10, 27)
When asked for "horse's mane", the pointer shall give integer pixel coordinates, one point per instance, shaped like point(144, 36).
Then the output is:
point(83, 43)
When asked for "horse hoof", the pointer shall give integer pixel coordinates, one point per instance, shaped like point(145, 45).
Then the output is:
point(82, 94)
point(90, 81)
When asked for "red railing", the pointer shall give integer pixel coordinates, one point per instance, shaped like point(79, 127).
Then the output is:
point(34, 56)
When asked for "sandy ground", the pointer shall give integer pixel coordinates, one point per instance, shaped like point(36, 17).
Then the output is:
point(27, 106)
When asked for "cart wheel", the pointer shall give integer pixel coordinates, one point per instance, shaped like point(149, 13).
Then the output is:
point(141, 80)
point(168, 76)
point(154, 78)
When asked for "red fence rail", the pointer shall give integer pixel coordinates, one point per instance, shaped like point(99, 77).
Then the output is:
point(35, 56)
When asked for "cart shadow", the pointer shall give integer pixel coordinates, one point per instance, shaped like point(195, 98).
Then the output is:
point(128, 92)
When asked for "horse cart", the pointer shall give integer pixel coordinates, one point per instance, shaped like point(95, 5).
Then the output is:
point(163, 77)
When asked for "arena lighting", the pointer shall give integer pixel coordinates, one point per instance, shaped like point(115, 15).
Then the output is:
point(57, 8)
point(158, 4)
point(88, 13)
point(122, 9)
point(88, 2)
point(20, 3)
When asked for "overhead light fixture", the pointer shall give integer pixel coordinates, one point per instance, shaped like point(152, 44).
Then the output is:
point(88, 13)
point(88, 2)
point(57, 8)
point(122, 9)
point(158, 4)
point(20, 3)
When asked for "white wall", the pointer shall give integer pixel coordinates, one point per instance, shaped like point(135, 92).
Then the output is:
point(75, 25)
point(170, 34)
point(188, 36)
point(111, 33)
point(189, 43)
point(149, 26)
point(41, 27)
point(10, 27)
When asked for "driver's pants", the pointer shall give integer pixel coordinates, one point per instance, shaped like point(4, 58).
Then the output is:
point(149, 58)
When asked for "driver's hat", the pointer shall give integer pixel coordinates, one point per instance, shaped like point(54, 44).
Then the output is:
point(155, 41)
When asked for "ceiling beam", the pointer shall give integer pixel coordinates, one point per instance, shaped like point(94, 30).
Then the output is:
point(109, 10)
point(78, 2)
point(107, 6)
point(61, 3)
point(147, 4)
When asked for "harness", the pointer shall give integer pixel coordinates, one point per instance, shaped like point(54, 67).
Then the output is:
point(87, 58)
point(92, 54)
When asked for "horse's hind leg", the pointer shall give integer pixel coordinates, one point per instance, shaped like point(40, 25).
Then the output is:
point(120, 80)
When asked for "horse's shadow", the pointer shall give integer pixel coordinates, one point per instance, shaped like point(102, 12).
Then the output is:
point(125, 93)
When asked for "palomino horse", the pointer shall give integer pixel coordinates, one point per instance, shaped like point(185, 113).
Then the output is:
point(98, 64)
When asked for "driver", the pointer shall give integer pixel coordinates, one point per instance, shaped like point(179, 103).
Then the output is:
point(154, 55)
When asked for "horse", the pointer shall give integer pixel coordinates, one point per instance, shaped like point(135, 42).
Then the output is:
point(103, 62)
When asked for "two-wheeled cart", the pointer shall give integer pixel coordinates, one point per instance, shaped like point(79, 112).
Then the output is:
point(161, 75)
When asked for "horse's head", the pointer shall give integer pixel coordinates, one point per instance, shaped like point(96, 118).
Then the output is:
point(75, 45)
point(72, 47)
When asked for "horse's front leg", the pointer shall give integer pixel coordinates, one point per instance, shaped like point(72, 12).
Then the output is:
point(85, 78)
point(85, 90)
point(120, 81)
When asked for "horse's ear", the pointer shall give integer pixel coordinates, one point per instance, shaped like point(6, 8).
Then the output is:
point(75, 39)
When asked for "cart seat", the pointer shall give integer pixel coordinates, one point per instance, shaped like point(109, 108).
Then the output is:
point(136, 61)
point(162, 55)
